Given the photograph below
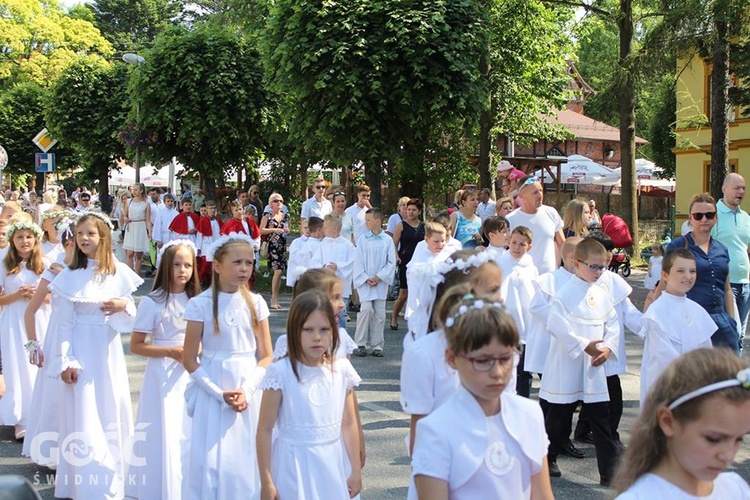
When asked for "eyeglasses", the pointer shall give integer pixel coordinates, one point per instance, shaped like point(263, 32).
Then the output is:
point(277, 201)
point(707, 215)
point(487, 364)
point(594, 267)
point(339, 193)
point(320, 187)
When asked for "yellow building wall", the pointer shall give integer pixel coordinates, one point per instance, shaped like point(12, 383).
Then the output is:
point(693, 151)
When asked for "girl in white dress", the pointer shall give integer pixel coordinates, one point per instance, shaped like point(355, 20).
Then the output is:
point(93, 304)
point(689, 431)
point(44, 421)
point(136, 218)
point(165, 427)
point(308, 397)
point(231, 326)
point(51, 246)
point(654, 266)
point(20, 273)
point(484, 442)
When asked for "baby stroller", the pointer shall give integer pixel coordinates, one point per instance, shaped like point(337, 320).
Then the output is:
point(614, 227)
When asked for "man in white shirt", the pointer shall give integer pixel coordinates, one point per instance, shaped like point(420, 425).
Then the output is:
point(155, 204)
point(358, 211)
point(543, 221)
point(486, 207)
point(317, 204)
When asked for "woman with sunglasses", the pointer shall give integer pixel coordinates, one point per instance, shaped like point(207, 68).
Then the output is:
point(711, 290)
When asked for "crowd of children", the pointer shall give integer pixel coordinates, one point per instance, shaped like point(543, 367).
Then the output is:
point(223, 414)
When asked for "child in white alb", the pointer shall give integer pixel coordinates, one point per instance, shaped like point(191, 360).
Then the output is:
point(336, 253)
point(484, 441)
point(374, 265)
point(673, 324)
point(519, 275)
point(297, 263)
point(497, 231)
point(583, 323)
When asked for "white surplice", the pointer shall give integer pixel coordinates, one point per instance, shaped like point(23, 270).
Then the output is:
point(337, 251)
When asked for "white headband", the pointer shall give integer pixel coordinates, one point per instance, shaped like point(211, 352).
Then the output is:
point(477, 304)
point(742, 380)
point(173, 243)
point(223, 241)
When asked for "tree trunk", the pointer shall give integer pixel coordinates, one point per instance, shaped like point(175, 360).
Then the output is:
point(211, 188)
point(485, 129)
point(626, 109)
point(719, 101)
point(104, 192)
point(412, 170)
point(374, 179)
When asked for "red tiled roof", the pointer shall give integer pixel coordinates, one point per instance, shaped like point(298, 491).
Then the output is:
point(584, 127)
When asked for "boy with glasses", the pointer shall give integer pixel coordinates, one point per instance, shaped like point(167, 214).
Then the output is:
point(585, 334)
point(317, 205)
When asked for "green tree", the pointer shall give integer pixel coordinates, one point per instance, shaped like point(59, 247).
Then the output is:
point(38, 40)
point(370, 80)
point(131, 25)
point(202, 99)
point(86, 109)
point(524, 69)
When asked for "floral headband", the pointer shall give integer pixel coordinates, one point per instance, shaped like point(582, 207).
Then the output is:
point(53, 214)
point(470, 303)
point(100, 216)
point(228, 238)
point(174, 243)
point(741, 380)
point(29, 226)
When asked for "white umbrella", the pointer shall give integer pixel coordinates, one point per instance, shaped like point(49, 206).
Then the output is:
point(125, 177)
point(582, 170)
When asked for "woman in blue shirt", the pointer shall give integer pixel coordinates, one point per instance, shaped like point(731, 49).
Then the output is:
point(711, 290)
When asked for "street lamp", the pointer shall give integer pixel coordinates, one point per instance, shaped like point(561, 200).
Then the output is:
point(136, 60)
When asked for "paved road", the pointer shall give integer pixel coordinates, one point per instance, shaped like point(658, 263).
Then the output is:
point(386, 474)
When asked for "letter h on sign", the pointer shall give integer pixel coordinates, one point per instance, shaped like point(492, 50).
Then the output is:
point(44, 162)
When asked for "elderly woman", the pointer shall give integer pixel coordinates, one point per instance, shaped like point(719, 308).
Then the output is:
point(711, 289)
point(274, 226)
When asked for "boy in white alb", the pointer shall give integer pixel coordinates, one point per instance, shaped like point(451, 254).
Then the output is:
point(336, 253)
point(517, 290)
point(627, 316)
point(374, 265)
point(164, 217)
point(673, 324)
point(297, 263)
point(359, 210)
point(496, 229)
point(583, 324)
point(546, 287)
point(421, 291)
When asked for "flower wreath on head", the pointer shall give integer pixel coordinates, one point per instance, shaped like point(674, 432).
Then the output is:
point(175, 243)
point(63, 226)
point(52, 214)
point(30, 226)
point(227, 238)
point(471, 303)
point(465, 265)
point(99, 215)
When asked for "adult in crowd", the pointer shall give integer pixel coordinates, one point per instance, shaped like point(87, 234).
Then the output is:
point(732, 229)
point(543, 221)
point(317, 204)
point(199, 199)
point(136, 219)
point(32, 204)
point(596, 219)
point(359, 210)
point(339, 208)
point(400, 215)
point(486, 207)
point(253, 198)
point(274, 226)
point(576, 219)
point(186, 193)
point(712, 289)
point(408, 233)
point(468, 225)
point(154, 202)
point(84, 202)
point(241, 196)
point(49, 200)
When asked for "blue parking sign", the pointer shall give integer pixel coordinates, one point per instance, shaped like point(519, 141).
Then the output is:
point(45, 162)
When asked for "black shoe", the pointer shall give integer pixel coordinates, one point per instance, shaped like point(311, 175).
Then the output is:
point(378, 353)
point(354, 307)
point(361, 352)
point(571, 450)
point(554, 470)
point(394, 327)
point(586, 438)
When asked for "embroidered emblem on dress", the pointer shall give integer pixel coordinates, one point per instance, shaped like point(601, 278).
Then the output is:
point(497, 459)
point(591, 302)
point(318, 392)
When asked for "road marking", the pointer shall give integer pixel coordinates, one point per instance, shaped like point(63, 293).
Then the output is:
point(387, 412)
